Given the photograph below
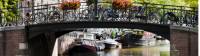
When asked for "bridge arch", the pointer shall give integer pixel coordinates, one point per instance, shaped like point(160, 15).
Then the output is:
point(160, 29)
point(39, 31)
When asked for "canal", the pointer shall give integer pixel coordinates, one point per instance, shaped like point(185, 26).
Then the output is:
point(158, 50)
point(131, 42)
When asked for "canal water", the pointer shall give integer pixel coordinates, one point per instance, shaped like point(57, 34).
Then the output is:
point(161, 50)
point(137, 51)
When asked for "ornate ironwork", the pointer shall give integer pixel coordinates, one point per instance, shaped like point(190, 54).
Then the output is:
point(146, 13)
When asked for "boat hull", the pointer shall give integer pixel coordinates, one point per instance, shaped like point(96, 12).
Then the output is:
point(82, 49)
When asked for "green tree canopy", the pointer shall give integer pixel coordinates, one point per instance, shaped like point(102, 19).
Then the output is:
point(191, 3)
point(9, 8)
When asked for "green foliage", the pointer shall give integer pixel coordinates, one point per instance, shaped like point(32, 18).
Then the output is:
point(9, 9)
point(108, 3)
point(191, 3)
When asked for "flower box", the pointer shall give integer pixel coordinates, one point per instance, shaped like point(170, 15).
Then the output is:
point(70, 5)
point(121, 4)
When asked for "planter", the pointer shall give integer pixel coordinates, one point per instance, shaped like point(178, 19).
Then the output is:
point(70, 5)
point(121, 4)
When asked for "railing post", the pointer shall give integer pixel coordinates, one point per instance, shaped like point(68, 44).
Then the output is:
point(47, 17)
point(181, 10)
point(1, 16)
point(96, 15)
point(33, 10)
point(163, 14)
point(145, 12)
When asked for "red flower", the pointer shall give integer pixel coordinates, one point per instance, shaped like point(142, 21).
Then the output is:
point(68, 5)
point(122, 4)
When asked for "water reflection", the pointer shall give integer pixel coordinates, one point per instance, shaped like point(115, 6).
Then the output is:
point(156, 50)
point(162, 50)
point(150, 43)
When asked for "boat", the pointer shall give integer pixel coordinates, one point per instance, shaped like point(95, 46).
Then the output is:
point(100, 45)
point(83, 46)
point(137, 37)
point(78, 49)
point(111, 43)
point(82, 42)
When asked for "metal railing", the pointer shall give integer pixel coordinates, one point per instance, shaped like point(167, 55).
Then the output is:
point(140, 12)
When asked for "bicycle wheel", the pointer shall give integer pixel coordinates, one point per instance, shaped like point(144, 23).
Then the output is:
point(20, 21)
point(104, 16)
point(4, 22)
point(83, 15)
point(195, 21)
point(153, 18)
point(54, 16)
point(169, 18)
point(39, 18)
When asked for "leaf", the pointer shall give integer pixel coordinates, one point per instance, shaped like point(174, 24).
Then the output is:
point(9, 8)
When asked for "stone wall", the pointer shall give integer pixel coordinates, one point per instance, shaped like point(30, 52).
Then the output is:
point(186, 42)
point(12, 42)
point(1, 44)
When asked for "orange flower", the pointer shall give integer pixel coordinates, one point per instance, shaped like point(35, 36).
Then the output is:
point(122, 4)
point(67, 5)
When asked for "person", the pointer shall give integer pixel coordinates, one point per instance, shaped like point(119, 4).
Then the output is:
point(28, 19)
point(113, 34)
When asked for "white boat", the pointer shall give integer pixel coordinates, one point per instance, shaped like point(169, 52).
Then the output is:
point(111, 43)
point(100, 45)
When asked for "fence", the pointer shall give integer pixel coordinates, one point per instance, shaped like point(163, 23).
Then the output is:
point(140, 12)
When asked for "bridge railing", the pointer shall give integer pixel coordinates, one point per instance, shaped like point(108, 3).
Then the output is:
point(140, 12)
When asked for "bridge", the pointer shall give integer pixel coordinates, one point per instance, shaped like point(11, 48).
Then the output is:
point(39, 28)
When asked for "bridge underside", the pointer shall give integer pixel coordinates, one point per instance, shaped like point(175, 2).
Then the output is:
point(44, 35)
point(34, 30)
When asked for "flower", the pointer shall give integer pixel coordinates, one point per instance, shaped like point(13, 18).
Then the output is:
point(67, 5)
point(122, 4)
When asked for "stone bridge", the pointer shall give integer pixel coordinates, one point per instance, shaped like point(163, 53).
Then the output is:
point(35, 34)
point(39, 39)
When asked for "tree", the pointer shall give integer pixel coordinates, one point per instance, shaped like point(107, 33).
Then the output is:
point(9, 9)
point(191, 3)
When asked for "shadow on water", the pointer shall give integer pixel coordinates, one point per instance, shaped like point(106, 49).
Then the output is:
point(133, 51)
point(84, 54)
point(83, 50)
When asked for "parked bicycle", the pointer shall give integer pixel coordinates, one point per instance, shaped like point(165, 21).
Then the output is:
point(54, 15)
point(138, 14)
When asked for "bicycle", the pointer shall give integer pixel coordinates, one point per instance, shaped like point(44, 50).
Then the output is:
point(190, 19)
point(195, 20)
point(169, 18)
point(108, 14)
point(154, 16)
point(39, 18)
point(54, 15)
point(138, 14)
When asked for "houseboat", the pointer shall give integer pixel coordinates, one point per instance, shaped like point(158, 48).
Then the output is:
point(137, 37)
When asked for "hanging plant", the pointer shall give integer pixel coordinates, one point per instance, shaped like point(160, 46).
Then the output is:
point(122, 4)
point(70, 5)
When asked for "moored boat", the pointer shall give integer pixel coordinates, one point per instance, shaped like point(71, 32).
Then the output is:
point(138, 37)
point(111, 43)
